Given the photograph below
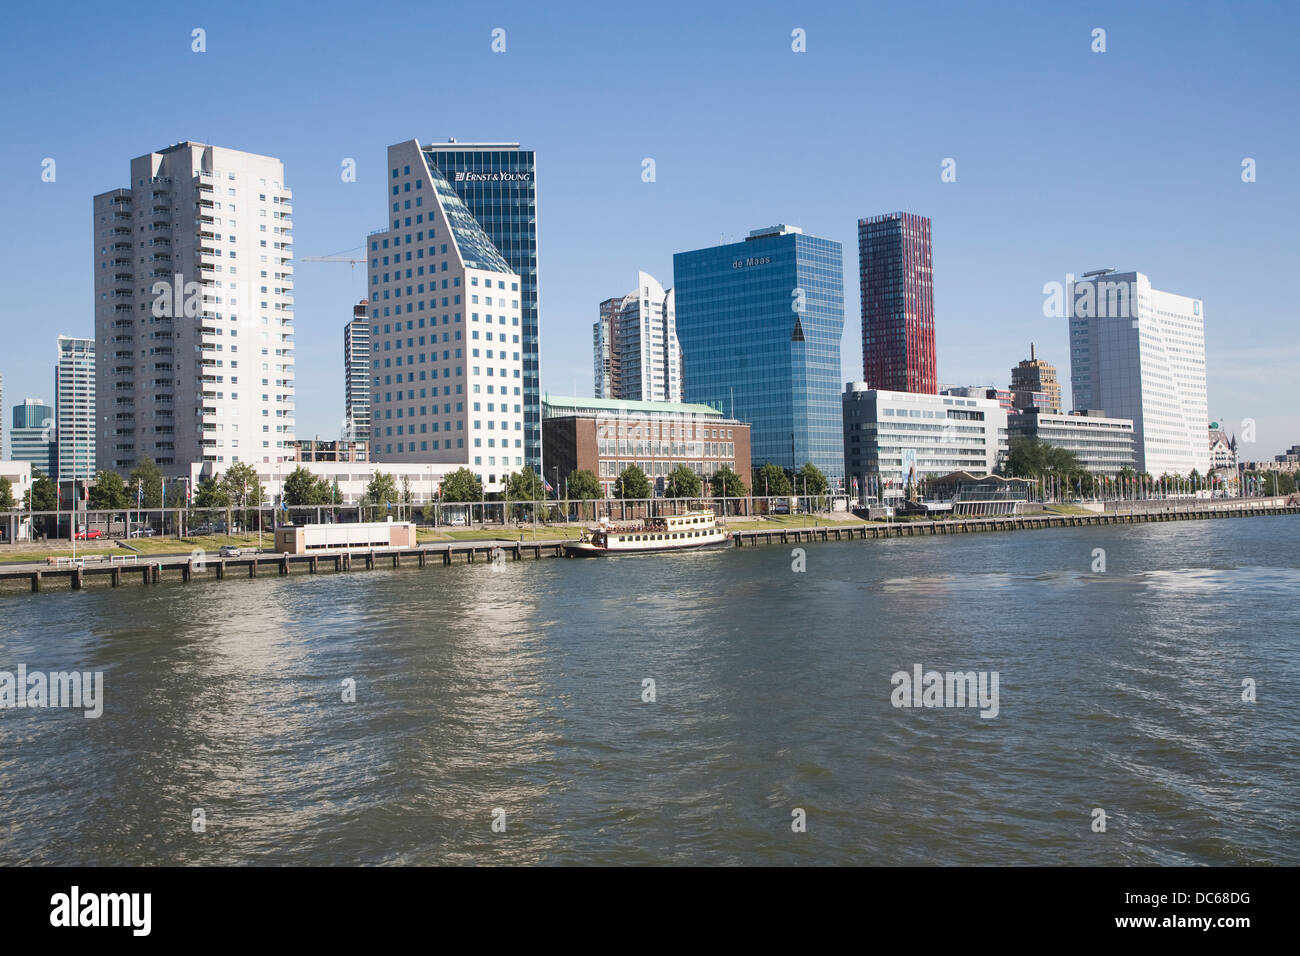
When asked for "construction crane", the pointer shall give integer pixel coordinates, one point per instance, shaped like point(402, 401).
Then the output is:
point(337, 258)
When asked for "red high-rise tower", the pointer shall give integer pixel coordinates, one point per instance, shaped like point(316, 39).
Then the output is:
point(897, 278)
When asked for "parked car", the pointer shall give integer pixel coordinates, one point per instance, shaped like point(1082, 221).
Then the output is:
point(229, 551)
point(203, 529)
point(456, 520)
point(84, 535)
point(142, 533)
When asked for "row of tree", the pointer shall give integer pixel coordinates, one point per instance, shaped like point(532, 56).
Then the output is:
point(240, 487)
point(1031, 458)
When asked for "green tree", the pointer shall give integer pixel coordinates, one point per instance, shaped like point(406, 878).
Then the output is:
point(211, 493)
point(109, 492)
point(810, 480)
point(524, 487)
point(145, 484)
point(244, 488)
point(242, 484)
point(462, 485)
point(633, 483)
point(682, 482)
point(1031, 458)
point(583, 485)
point(771, 480)
point(41, 496)
point(726, 482)
point(382, 492)
point(300, 488)
point(6, 495)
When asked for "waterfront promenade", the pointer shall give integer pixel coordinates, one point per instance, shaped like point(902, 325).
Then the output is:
point(115, 570)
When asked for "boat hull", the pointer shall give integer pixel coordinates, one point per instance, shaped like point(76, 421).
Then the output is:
point(586, 549)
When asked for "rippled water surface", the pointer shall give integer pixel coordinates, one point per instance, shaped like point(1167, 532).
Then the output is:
point(520, 690)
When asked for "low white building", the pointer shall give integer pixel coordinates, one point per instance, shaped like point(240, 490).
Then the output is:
point(353, 476)
point(892, 439)
point(19, 474)
point(1104, 446)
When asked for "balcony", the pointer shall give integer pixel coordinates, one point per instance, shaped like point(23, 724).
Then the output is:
point(123, 277)
point(122, 231)
point(122, 246)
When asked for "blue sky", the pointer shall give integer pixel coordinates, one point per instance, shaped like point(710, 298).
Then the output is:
point(1067, 160)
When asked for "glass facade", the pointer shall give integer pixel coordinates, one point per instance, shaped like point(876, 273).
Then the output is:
point(760, 324)
point(498, 184)
point(897, 278)
point(32, 437)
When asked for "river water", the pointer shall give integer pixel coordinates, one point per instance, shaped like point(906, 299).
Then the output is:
point(518, 697)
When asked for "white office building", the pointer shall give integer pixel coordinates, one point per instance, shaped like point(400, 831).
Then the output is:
point(74, 408)
point(352, 477)
point(636, 354)
point(1139, 353)
point(1103, 445)
point(446, 367)
point(194, 311)
point(356, 375)
point(892, 439)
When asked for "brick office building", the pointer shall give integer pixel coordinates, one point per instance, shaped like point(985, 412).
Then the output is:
point(605, 436)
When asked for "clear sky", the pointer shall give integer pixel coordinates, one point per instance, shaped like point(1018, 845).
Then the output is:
point(1067, 160)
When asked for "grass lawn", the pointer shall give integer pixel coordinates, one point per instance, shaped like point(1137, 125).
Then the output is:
point(142, 546)
point(525, 534)
point(1066, 510)
point(774, 522)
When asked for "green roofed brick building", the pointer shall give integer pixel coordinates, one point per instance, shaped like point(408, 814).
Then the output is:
point(605, 435)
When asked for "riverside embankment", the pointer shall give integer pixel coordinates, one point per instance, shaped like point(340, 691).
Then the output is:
point(117, 570)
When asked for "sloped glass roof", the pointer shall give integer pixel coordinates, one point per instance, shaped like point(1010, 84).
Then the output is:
point(476, 249)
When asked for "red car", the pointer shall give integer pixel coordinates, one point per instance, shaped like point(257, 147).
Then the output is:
point(92, 533)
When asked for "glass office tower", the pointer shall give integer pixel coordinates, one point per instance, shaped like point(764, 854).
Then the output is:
point(760, 324)
point(498, 182)
point(32, 438)
point(897, 277)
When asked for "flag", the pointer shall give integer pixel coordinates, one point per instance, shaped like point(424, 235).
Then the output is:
point(547, 485)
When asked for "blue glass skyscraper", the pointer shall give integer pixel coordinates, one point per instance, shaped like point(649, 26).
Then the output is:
point(498, 183)
point(760, 324)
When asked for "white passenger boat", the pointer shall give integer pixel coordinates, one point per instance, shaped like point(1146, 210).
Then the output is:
point(695, 529)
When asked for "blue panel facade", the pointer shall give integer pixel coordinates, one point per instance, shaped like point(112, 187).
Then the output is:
point(760, 324)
